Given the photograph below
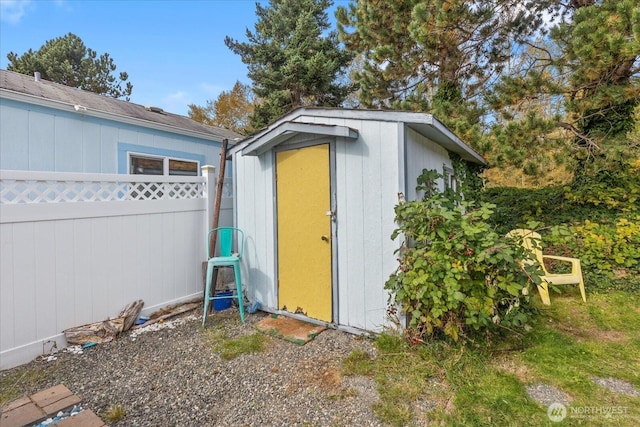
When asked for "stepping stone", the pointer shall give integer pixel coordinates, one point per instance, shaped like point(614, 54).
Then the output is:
point(617, 386)
point(289, 329)
point(55, 399)
point(85, 418)
point(22, 415)
point(30, 410)
point(547, 394)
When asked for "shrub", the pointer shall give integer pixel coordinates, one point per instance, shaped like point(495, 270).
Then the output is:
point(605, 197)
point(609, 251)
point(456, 275)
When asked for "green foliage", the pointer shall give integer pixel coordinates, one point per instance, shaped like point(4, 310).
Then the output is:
point(293, 59)
point(468, 177)
point(607, 250)
point(603, 43)
point(456, 275)
point(595, 220)
point(414, 49)
point(547, 206)
point(68, 61)
point(548, 85)
point(604, 197)
point(616, 189)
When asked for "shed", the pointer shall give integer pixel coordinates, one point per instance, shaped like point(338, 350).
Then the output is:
point(315, 193)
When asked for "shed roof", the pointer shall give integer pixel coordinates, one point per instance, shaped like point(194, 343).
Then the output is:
point(286, 130)
point(27, 89)
point(424, 124)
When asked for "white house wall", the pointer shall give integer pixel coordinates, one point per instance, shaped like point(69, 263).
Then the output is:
point(40, 138)
point(421, 153)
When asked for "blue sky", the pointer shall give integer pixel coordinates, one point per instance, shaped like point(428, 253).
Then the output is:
point(173, 51)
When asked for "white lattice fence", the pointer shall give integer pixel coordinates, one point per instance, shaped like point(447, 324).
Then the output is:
point(227, 188)
point(76, 248)
point(47, 187)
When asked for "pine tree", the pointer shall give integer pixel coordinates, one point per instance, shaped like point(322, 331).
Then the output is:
point(68, 61)
point(293, 59)
point(589, 66)
point(435, 56)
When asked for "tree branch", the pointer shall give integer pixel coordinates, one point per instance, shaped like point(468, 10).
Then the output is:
point(590, 142)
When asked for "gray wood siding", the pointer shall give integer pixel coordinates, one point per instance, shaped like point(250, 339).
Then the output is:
point(367, 185)
point(422, 154)
point(254, 209)
point(44, 139)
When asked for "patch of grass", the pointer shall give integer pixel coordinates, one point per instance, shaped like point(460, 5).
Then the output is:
point(115, 412)
point(403, 376)
point(486, 384)
point(483, 394)
point(571, 343)
point(599, 338)
point(11, 382)
point(342, 394)
point(617, 311)
point(230, 348)
point(358, 362)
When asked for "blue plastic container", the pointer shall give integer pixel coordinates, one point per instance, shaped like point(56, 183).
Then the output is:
point(222, 303)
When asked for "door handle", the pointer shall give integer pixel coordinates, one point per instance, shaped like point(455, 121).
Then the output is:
point(325, 238)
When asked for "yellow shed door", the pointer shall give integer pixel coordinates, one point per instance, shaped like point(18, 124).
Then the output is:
point(304, 231)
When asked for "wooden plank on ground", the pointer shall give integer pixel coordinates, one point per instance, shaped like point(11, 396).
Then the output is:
point(179, 310)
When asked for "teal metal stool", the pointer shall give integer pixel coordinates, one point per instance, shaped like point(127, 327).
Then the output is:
point(227, 258)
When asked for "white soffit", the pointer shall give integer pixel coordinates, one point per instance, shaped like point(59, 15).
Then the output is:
point(287, 130)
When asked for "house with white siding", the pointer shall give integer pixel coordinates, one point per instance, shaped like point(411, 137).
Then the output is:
point(315, 193)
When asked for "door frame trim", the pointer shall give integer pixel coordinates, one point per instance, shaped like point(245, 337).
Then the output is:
point(304, 142)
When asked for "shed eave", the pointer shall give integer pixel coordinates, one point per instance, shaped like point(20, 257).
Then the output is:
point(423, 123)
point(284, 131)
point(440, 134)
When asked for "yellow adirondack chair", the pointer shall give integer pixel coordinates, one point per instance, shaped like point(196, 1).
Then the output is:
point(574, 278)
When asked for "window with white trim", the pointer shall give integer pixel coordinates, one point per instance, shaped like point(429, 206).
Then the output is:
point(450, 180)
point(160, 165)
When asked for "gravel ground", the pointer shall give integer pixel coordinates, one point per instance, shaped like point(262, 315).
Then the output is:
point(172, 377)
point(617, 386)
point(546, 394)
